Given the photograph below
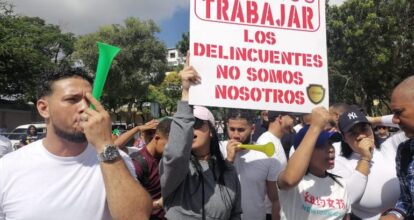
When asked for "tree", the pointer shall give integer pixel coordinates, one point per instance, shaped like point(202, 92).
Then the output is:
point(184, 44)
point(370, 49)
point(140, 63)
point(29, 48)
point(167, 94)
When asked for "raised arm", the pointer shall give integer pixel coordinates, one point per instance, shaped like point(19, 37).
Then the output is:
point(299, 162)
point(126, 136)
point(176, 158)
point(126, 198)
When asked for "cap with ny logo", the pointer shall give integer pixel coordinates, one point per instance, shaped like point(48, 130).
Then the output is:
point(350, 118)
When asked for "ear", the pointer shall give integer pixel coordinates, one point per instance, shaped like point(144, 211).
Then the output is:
point(156, 137)
point(42, 106)
point(279, 119)
point(253, 128)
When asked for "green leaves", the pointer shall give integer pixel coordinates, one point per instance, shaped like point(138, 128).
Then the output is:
point(168, 93)
point(370, 49)
point(140, 63)
point(29, 47)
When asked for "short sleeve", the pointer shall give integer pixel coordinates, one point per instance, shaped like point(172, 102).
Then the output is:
point(128, 163)
point(273, 167)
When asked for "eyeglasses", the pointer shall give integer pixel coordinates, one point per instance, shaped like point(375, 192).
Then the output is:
point(198, 123)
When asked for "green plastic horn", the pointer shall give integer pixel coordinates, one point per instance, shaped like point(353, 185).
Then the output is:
point(107, 54)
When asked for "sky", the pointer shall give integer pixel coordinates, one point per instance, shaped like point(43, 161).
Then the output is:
point(85, 16)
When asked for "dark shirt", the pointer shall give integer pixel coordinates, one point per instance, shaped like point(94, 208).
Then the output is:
point(287, 142)
point(406, 201)
point(154, 186)
point(260, 128)
point(379, 140)
point(27, 139)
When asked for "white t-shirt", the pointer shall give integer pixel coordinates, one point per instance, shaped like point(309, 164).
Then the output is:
point(279, 151)
point(254, 169)
point(279, 155)
point(389, 147)
point(298, 127)
point(315, 198)
point(373, 195)
point(5, 146)
point(36, 184)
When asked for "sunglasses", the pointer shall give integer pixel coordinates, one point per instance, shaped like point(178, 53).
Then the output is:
point(198, 123)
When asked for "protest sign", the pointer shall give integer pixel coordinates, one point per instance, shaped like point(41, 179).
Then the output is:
point(259, 54)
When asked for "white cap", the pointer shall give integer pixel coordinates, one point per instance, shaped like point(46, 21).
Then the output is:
point(203, 113)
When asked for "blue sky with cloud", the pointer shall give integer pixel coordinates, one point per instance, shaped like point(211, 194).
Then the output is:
point(85, 16)
point(172, 29)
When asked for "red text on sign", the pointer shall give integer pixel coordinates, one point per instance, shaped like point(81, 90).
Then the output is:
point(255, 94)
point(251, 12)
point(274, 76)
point(260, 37)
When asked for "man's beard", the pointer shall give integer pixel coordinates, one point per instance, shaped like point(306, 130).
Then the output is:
point(77, 137)
point(248, 139)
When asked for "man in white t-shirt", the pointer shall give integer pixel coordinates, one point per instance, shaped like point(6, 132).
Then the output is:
point(75, 172)
point(280, 123)
point(257, 172)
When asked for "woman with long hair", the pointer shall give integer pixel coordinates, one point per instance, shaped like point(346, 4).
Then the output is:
point(30, 136)
point(368, 170)
point(196, 181)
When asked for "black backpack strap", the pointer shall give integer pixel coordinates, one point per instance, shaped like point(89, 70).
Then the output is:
point(144, 179)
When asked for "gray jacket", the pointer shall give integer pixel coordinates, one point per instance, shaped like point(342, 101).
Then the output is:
point(181, 186)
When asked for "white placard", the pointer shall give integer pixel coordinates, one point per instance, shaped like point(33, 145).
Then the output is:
point(258, 54)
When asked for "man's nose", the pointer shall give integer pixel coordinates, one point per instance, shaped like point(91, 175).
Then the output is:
point(236, 137)
point(395, 119)
point(83, 105)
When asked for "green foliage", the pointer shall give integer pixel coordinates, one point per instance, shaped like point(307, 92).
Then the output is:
point(140, 63)
point(167, 94)
point(370, 49)
point(29, 47)
point(184, 44)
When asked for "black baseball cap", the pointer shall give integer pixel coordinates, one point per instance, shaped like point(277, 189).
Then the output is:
point(351, 117)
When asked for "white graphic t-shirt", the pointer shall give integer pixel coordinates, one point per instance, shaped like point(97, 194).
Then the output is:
point(315, 198)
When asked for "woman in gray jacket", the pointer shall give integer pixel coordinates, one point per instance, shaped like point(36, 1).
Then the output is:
point(196, 182)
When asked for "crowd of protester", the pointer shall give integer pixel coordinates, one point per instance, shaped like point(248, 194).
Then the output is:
point(335, 163)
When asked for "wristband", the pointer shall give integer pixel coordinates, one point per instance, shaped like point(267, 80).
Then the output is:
point(366, 160)
point(399, 214)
